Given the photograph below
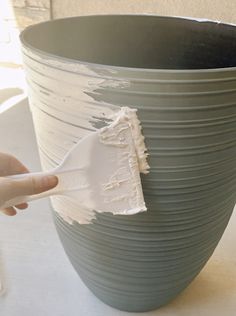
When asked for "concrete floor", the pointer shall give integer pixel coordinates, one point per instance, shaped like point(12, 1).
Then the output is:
point(36, 276)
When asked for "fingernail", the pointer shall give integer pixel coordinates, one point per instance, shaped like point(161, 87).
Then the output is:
point(49, 181)
point(9, 212)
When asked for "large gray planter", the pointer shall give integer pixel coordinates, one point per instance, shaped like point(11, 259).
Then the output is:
point(180, 74)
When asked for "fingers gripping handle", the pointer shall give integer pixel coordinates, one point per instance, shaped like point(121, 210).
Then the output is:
point(27, 198)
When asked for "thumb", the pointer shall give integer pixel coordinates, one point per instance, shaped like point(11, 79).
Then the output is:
point(32, 185)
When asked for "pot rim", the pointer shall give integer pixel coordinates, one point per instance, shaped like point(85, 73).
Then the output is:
point(124, 68)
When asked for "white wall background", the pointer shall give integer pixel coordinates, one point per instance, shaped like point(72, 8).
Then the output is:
point(223, 10)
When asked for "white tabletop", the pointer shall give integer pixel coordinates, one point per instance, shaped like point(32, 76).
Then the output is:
point(39, 280)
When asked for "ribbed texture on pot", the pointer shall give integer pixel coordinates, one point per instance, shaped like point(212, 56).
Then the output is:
point(140, 262)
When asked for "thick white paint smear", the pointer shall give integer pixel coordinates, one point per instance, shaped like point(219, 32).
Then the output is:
point(64, 111)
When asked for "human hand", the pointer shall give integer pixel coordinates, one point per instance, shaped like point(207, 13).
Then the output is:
point(10, 188)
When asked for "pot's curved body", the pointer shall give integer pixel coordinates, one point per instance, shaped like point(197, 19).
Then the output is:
point(181, 76)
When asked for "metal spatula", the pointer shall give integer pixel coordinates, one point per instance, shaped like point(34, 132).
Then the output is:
point(100, 173)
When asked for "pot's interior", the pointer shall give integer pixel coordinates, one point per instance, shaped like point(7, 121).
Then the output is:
point(137, 41)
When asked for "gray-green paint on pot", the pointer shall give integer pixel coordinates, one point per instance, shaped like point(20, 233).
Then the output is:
point(181, 76)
